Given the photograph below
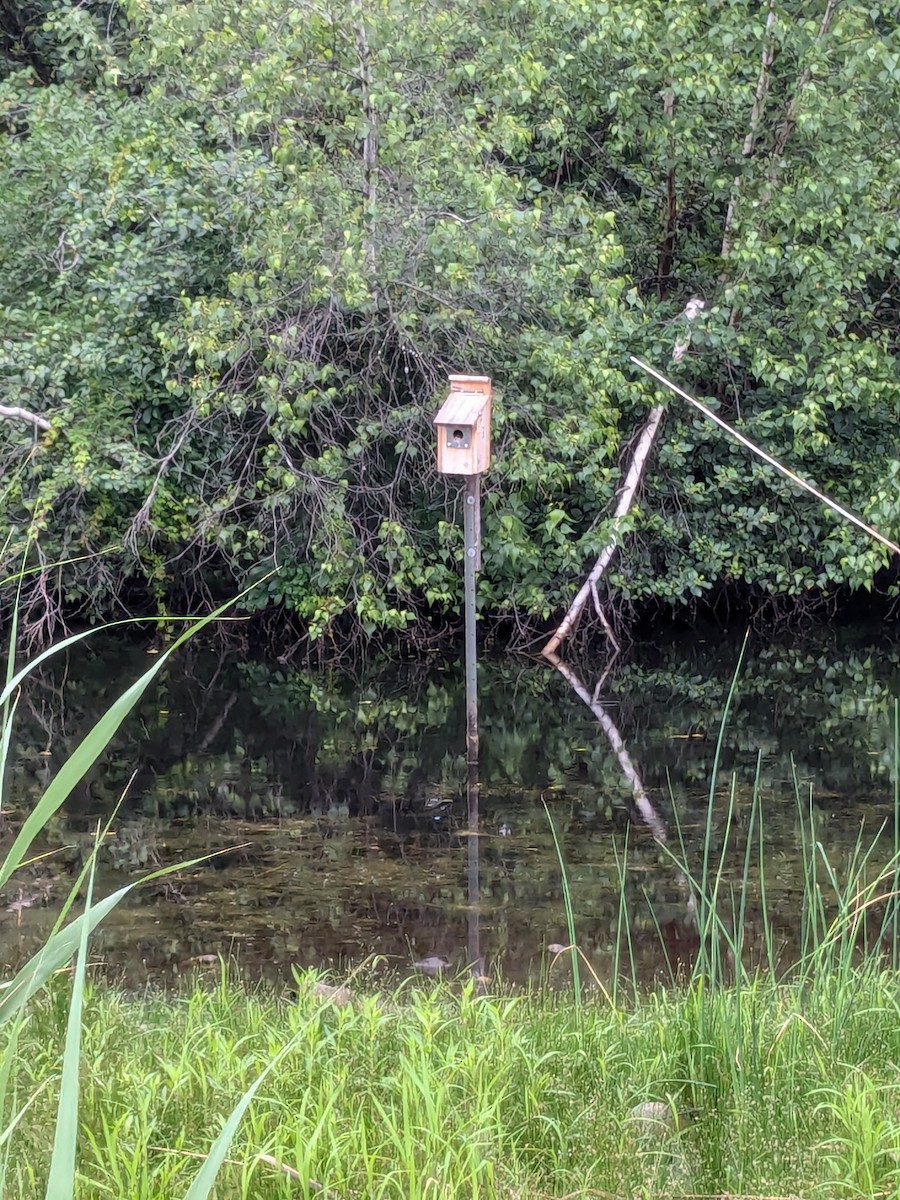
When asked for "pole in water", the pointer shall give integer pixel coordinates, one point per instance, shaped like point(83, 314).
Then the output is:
point(463, 427)
point(476, 958)
point(472, 537)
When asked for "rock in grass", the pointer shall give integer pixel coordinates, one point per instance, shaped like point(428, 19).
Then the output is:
point(340, 995)
point(653, 1120)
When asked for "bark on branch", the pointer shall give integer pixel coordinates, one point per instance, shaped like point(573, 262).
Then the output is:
point(370, 144)
point(790, 117)
point(141, 519)
point(626, 499)
point(13, 412)
point(667, 248)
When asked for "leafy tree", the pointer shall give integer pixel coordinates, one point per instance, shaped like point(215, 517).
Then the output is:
point(245, 242)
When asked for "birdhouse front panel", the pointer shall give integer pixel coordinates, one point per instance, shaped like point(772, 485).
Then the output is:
point(464, 427)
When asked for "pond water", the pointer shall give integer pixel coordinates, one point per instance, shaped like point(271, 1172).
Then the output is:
point(343, 825)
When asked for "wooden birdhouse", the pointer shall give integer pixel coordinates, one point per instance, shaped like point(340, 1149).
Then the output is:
point(464, 427)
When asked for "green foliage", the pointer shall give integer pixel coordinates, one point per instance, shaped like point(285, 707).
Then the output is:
point(244, 242)
point(403, 1093)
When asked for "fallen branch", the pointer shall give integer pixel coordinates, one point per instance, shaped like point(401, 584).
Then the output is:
point(268, 1159)
point(292, 1173)
point(15, 412)
point(767, 458)
point(626, 499)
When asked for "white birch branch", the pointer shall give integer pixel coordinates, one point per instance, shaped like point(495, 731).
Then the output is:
point(626, 499)
point(762, 88)
point(14, 412)
point(370, 143)
point(790, 118)
point(642, 801)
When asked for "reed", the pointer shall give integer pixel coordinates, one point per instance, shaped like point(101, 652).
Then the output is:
point(67, 940)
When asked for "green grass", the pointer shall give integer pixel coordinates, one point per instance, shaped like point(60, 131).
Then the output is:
point(790, 1090)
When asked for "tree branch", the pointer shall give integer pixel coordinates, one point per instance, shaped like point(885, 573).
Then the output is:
point(790, 117)
point(370, 142)
point(762, 88)
point(141, 519)
point(642, 801)
point(667, 247)
point(13, 412)
point(626, 499)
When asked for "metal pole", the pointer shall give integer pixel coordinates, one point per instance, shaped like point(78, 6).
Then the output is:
point(476, 960)
point(472, 531)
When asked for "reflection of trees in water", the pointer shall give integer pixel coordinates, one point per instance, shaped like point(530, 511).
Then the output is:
point(260, 740)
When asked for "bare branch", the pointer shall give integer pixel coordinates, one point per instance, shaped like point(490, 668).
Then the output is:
point(15, 412)
point(667, 248)
point(790, 117)
point(142, 516)
point(626, 499)
point(370, 141)
point(767, 458)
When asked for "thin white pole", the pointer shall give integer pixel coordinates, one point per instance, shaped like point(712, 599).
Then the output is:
point(767, 458)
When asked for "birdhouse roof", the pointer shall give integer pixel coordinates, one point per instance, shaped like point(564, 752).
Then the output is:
point(461, 408)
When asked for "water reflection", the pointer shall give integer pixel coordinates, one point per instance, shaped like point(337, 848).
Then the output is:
point(350, 827)
point(679, 939)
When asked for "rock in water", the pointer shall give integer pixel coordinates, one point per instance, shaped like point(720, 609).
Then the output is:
point(432, 965)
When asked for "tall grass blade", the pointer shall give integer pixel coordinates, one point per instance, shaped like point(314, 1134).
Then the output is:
point(94, 742)
point(61, 1182)
point(6, 728)
point(713, 920)
point(206, 1176)
point(895, 886)
point(61, 946)
point(8, 704)
point(622, 923)
point(741, 977)
point(705, 918)
point(570, 913)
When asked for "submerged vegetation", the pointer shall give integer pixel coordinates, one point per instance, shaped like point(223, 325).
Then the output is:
point(244, 241)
